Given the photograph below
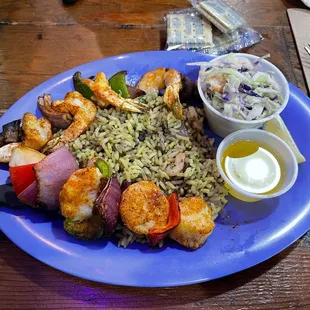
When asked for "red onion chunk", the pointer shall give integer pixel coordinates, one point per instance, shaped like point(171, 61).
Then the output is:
point(135, 92)
point(52, 173)
point(108, 203)
point(58, 119)
point(124, 185)
point(29, 195)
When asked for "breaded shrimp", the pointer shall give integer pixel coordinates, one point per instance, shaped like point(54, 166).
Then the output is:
point(196, 223)
point(105, 95)
point(164, 78)
point(144, 207)
point(78, 195)
point(83, 112)
point(37, 132)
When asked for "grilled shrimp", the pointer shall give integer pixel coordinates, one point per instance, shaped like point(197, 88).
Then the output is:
point(77, 197)
point(196, 223)
point(57, 119)
point(169, 79)
point(83, 112)
point(104, 95)
point(37, 132)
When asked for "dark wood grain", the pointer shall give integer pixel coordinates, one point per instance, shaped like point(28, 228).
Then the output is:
point(42, 38)
point(96, 41)
point(280, 283)
point(53, 49)
point(138, 13)
point(27, 64)
point(89, 11)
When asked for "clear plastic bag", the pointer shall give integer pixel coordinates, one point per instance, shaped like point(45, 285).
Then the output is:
point(188, 29)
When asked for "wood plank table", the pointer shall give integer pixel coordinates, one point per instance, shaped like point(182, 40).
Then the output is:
point(39, 39)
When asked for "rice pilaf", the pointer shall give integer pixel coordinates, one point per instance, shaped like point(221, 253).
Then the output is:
point(146, 147)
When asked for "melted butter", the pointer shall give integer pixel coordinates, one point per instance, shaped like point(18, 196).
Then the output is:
point(253, 167)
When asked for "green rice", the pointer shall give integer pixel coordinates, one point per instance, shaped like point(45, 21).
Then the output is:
point(145, 146)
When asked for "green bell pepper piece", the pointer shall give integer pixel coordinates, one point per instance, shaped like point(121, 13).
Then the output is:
point(81, 87)
point(104, 168)
point(118, 84)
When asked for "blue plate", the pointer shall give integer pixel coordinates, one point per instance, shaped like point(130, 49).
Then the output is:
point(245, 234)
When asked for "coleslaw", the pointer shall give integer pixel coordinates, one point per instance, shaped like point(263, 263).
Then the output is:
point(235, 87)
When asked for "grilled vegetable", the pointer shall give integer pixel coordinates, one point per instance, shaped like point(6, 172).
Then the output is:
point(23, 155)
point(107, 204)
point(52, 173)
point(135, 92)
point(81, 87)
point(104, 168)
point(187, 88)
point(90, 229)
point(118, 84)
point(9, 139)
point(12, 132)
point(58, 119)
point(22, 161)
point(29, 195)
point(159, 234)
point(125, 184)
point(22, 177)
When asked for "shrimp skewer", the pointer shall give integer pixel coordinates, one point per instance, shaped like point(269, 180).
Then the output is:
point(35, 134)
point(196, 223)
point(170, 79)
point(77, 197)
point(57, 119)
point(104, 95)
point(83, 112)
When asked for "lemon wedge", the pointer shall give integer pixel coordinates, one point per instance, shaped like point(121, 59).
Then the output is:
point(278, 128)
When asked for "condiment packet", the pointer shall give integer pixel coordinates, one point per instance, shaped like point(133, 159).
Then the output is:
point(219, 14)
point(189, 29)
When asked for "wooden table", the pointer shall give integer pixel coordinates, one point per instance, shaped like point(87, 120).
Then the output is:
point(39, 39)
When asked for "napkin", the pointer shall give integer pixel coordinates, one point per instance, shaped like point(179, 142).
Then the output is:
point(300, 21)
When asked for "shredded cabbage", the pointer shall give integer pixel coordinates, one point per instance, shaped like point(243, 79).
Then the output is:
point(236, 88)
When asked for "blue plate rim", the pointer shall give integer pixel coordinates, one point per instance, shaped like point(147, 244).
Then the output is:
point(298, 231)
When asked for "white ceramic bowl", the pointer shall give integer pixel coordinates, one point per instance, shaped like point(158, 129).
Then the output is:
point(280, 148)
point(223, 125)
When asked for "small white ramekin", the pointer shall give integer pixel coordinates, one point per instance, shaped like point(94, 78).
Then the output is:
point(281, 149)
point(223, 125)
